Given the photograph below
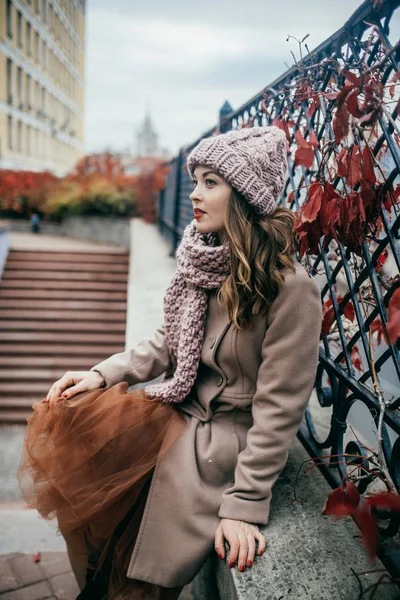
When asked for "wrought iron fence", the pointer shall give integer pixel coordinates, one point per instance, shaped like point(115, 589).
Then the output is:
point(358, 379)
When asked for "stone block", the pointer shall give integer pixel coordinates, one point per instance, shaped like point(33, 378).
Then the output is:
point(25, 570)
point(38, 591)
point(64, 586)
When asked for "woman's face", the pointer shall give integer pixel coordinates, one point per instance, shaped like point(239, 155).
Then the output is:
point(210, 197)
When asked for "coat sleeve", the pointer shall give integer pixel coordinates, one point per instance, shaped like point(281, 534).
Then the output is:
point(284, 383)
point(146, 361)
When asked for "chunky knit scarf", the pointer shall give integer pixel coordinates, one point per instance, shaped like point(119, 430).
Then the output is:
point(202, 266)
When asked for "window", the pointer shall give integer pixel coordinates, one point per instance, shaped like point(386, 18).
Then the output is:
point(28, 91)
point(50, 17)
point(10, 133)
point(37, 142)
point(44, 11)
point(37, 6)
point(19, 87)
point(37, 97)
point(44, 53)
point(43, 100)
point(28, 39)
point(19, 130)
point(28, 140)
point(9, 19)
point(9, 81)
point(37, 47)
point(19, 29)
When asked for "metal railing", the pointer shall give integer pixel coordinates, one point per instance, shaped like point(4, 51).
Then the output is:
point(358, 378)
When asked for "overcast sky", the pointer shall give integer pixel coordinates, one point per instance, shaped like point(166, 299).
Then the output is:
point(184, 59)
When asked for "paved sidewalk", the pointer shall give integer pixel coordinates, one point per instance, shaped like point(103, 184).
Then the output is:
point(21, 578)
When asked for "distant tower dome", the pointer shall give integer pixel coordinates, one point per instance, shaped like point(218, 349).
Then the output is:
point(147, 138)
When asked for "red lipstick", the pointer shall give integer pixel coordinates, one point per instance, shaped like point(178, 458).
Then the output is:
point(198, 213)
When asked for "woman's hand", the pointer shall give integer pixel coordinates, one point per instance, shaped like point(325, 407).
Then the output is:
point(242, 538)
point(76, 382)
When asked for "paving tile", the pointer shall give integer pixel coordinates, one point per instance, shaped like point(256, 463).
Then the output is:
point(54, 563)
point(25, 570)
point(64, 586)
point(38, 591)
point(7, 577)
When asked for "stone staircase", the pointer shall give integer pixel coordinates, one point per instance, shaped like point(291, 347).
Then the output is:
point(59, 311)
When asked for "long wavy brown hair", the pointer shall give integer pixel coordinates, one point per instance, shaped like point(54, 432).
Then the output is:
point(260, 247)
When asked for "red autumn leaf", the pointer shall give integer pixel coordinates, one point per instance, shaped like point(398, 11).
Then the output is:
point(312, 108)
point(351, 78)
point(301, 141)
point(349, 312)
point(354, 174)
point(37, 557)
point(327, 321)
point(311, 208)
point(290, 198)
point(398, 106)
point(355, 358)
point(377, 327)
point(393, 324)
point(368, 528)
point(352, 103)
point(305, 157)
point(284, 125)
point(385, 500)
point(381, 261)
point(342, 501)
point(341, 124)
point(342, 160)
point(367, 165)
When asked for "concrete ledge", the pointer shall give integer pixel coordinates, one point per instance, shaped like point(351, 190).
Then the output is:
point(309, 556)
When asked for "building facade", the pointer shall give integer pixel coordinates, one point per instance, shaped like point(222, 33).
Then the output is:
point(41, 84)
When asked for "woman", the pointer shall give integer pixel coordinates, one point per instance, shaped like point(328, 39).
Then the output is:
point(238, 350)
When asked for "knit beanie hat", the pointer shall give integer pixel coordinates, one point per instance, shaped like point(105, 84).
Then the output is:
point(253, 160)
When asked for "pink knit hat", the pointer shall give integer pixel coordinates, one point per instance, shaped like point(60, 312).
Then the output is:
point(253, 160)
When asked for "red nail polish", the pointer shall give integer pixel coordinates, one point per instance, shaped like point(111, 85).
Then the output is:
point(221, 556)
point(64, 395)
point(241, 568)
point(231, 564)
point(249, 563)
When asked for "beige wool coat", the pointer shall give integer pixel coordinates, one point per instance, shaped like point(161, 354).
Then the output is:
point(242, 414)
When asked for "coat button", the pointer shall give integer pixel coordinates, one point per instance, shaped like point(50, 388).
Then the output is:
point(212, 343)
point(220, 381)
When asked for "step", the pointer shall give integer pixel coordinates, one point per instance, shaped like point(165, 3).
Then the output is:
point(16, 403)
point(99, 316)
point(22, 388)
point(100, 295)
point(82, 305)
point(64, 363)
point(67, 338)
point(71, 276)
point(114, 257)
point(103, 351)
point(13, 416)
point(84, 327)
point(49, 374)
point(107, 267)
point(9, 284)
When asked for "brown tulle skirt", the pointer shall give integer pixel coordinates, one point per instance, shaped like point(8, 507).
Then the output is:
point(88, 462)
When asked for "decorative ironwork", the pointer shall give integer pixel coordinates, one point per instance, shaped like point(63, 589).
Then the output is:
point(358, 380)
